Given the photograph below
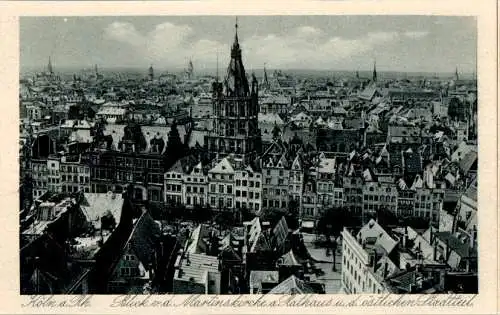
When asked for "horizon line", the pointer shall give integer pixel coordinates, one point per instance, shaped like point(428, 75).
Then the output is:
point(174, 69)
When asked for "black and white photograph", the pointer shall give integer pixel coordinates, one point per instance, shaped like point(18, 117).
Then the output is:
point(248, 154)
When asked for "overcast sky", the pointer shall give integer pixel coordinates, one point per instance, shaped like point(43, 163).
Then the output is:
point(398, 43)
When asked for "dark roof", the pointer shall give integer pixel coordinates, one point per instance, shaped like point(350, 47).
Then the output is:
point(466, 164)
point(143, 239)
point(455, 244)
point(412, 162)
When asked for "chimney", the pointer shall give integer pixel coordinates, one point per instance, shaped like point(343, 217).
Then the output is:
point(386, 267)
point(151, 271)
point(473, 237)
point(434, 247)
point(405, 237)
point(442, 279)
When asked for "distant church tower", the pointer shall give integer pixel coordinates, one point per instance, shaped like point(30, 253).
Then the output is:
point(235, 107)
point(49, 67)
point(456, 74)
point(151, 73)
point(374, 78)
point(190, 70)
point(265, 82)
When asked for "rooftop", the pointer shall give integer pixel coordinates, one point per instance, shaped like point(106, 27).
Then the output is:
point(95, 206)
point(194, 267)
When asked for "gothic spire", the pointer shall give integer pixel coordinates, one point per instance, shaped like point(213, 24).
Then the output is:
point(217, 73)
point(190, 66)
point(236, 83)
point(265, 81)
point(235, 50)
point(374, 71)
point(49, 66)
point(236, 33)
point(151, 73)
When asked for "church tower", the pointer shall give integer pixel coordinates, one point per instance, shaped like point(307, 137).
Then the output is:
point(49, 67)
point(374, 78)
point(190, 69)
point(265, 81)
point(235, 107)
point(151, 73)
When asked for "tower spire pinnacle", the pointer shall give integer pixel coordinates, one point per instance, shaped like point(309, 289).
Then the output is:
point(374, 70)
point(236, 31)
point(217, 73)
point(236, 44)
point(49, 66)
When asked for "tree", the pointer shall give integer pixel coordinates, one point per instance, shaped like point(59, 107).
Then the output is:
point(108, 221)
point(386, 217)
point(330, 224)
point(333, 220)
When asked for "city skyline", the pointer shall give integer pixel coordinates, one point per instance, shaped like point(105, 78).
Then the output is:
point(340, 43)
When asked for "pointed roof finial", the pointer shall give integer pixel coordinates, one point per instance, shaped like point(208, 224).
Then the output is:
point(49, 67)
point(236, 31)
point(217, 73)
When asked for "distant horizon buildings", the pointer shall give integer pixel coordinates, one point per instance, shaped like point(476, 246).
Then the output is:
point(375, 71)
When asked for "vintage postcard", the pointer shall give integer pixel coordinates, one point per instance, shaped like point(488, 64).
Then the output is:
point(235, 158)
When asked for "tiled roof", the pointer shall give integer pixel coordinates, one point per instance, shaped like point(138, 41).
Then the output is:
point(368, 92)
point(289, 259)
point(374, 231)
point(143, 238)
point(195, 268)
point(292, 285)
point(455, 244)
point(198, 235)
point(223, 167)
point(467, 161)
